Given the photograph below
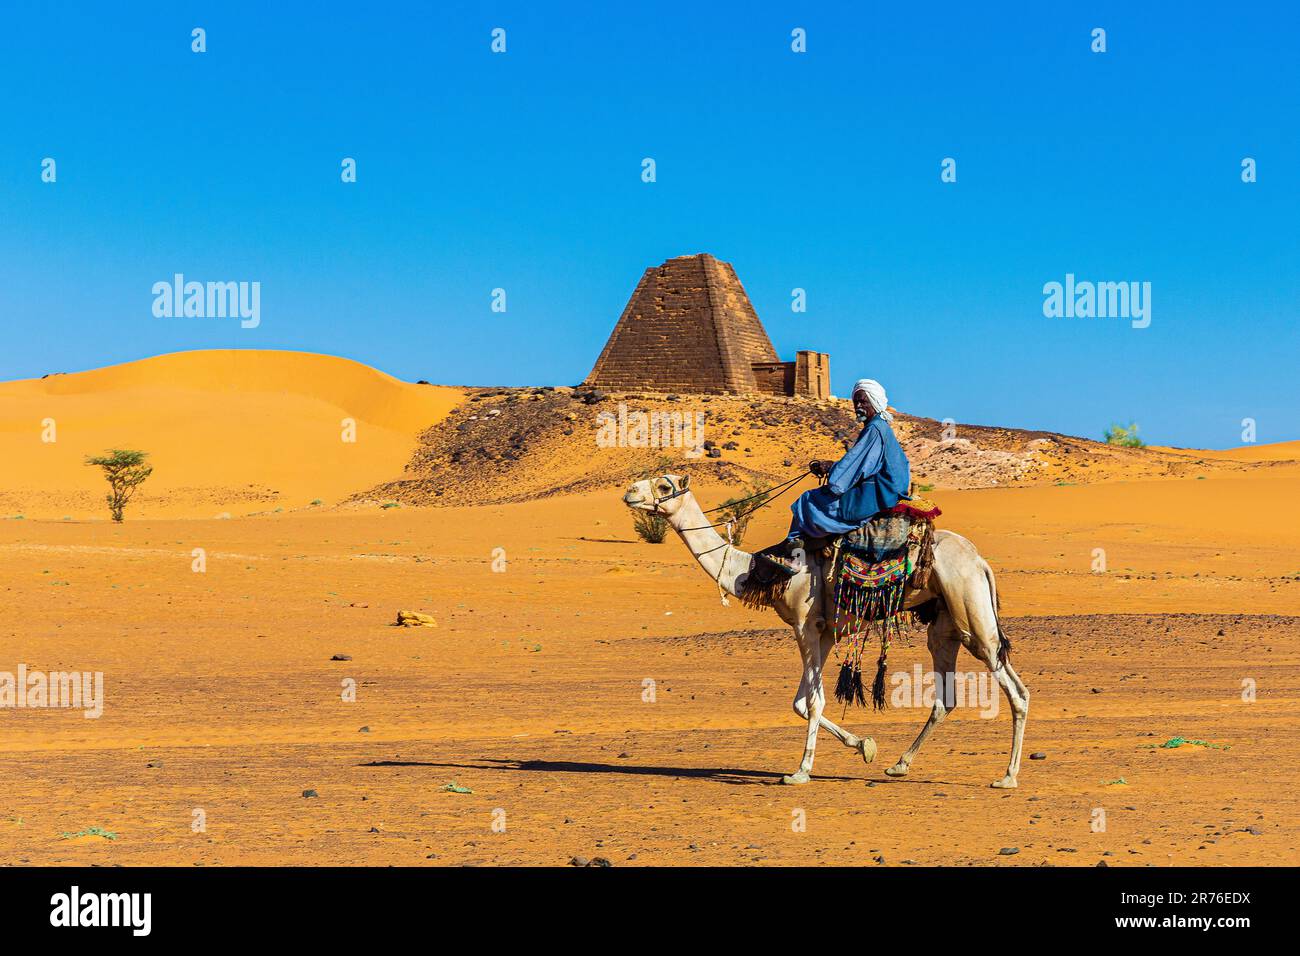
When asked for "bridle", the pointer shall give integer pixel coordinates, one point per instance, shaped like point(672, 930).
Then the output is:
point(677, 493)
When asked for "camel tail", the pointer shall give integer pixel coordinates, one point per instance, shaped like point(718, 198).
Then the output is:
point(1004, 642)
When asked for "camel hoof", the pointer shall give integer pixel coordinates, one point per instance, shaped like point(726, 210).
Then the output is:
point(867, 747)
point(795, 779)
point(1006, 783)
point(897, 770)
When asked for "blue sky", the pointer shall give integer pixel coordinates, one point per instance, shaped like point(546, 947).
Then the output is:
point(818, 170)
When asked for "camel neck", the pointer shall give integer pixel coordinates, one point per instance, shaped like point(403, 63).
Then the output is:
point(722, 562)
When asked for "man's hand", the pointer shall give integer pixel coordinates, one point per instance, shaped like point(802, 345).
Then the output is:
point(819, 468)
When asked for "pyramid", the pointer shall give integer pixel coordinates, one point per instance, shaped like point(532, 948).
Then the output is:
point(688, 327)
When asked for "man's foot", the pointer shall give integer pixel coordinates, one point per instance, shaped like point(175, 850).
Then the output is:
point(778, 557)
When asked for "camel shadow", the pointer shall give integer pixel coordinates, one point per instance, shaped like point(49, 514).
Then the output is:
point(727, 775)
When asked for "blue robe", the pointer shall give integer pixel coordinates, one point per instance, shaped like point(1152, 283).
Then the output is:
point(872, 477)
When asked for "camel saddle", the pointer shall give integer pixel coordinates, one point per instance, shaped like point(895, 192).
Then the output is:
point(905, 530)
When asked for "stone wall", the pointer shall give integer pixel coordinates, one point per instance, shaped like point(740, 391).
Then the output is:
point(774, 378)
point(812, 374)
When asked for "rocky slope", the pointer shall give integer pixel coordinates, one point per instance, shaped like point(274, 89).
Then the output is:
point(517, 444)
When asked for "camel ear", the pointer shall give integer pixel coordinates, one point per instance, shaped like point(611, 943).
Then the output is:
point(686, 481)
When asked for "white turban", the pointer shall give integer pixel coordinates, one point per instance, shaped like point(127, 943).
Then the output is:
point(875, 393)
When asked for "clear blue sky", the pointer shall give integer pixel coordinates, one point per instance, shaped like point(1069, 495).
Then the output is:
point(818, 171)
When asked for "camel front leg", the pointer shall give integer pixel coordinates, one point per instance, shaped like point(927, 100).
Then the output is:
point(866, 746)
point(814, 702)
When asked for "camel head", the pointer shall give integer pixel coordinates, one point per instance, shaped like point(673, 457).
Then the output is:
point(662, 495)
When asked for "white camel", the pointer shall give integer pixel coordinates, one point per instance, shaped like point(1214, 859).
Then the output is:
point(961, 580)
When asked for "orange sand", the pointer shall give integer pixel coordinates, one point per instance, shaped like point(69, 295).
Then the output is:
point(222, 697)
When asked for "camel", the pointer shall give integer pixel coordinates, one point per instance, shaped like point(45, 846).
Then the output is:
point(967, 615)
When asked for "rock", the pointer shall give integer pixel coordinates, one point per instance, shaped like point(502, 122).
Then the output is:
point(364, 730)
point(579, 861)
point(341, 657)
point(310, 793)
point(1009, 851)
point(599, 861)
point(414, 619)
point(1038, 755)
point(715, 452)
point(1096, 690)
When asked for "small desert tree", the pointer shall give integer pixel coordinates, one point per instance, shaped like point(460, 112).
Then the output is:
point(125, 471)
point(739, 509)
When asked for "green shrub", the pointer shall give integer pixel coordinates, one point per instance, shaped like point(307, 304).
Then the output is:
point(649, 527)
point(1125, 437)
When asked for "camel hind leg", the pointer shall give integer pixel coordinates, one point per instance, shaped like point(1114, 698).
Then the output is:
point(944, 643)
point(970, 598)
point(1017, 695)
point(987, 641)
point(991, 646)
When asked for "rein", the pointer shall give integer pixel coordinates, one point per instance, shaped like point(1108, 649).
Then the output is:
point(783, 488)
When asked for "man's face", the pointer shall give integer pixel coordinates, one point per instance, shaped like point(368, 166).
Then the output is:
point(863, 407)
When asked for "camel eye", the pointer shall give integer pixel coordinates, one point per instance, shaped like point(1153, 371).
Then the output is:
point(663, 486)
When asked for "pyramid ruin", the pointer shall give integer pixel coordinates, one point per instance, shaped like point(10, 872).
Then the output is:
point(689, 327)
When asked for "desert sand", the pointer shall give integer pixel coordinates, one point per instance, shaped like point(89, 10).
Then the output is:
point(223, 705)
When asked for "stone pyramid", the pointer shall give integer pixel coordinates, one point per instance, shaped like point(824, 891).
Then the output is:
point(688, 327)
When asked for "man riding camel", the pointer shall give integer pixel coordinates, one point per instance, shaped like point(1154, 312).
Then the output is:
point(873, 476)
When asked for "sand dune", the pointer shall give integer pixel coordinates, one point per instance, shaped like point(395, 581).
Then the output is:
point(1277, 451)
point(227, 431)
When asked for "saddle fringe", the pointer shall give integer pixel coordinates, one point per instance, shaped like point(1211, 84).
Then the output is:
point(763, 586)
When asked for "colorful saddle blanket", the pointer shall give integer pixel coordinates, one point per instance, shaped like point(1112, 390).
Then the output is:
point(888, 534)
point(875, 565)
